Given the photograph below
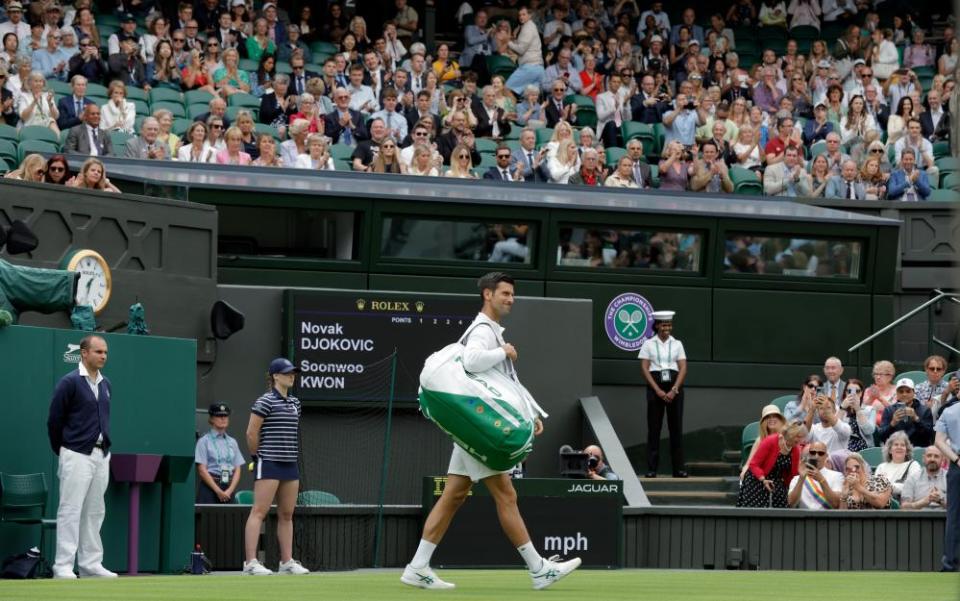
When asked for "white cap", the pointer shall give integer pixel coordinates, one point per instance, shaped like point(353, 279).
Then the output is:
point(268, 5)
point(905, 383)
point(663, 315)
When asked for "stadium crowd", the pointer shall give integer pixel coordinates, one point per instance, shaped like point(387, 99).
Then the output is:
point(843, 444)
point(839, 99)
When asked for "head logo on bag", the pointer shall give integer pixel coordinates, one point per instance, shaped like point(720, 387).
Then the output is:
point(628, 321)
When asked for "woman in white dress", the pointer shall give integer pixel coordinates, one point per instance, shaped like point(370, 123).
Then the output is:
point(196, 149)
point(316, 156)
point(36, 105)
point(118, 114)
point(565, 163)
point(898, 463)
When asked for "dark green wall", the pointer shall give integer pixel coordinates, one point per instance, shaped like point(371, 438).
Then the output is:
point(154, 395)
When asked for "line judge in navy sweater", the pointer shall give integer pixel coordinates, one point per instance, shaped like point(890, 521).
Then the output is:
point(79, 430)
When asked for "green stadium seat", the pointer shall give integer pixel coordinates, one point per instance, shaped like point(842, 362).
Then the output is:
point(119, 139)
point(950, 181)
point(8, 152)
point(195, 110)
point(612, 154)
point(246, 64)
point(745, 181)
point(486, 161)
point(873, 456)
point(180, 126)
point(165, 95)
point(781, 401)
point(244, 100)
point(513, 144)
point(321, 47)
point(500, 65)
point(543, 135)
point(135, 93)
point(340, 151)
point(918, 454)
point(4, 166)
point(748, 437)
point(514, 133)
point(233, 111)
point(317, 497)
point(944, 196)
point(197, 97)
point(8, 132)
point(917, 376)
point(284, 68)
point(818, 148)
point(485, 146)
point(263, 128)
point(61, 88)
point(635, 129)
point(95, 89)
point(142, 107)
point(38, 132)
point(342, 165)
point(23, 501)
point(174, 107)
point(804, 32)
point(244, 497)
point(941, 149)
point(654, 175)
point(40, 146)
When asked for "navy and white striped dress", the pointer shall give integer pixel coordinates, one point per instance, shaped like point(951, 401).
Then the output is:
point(279, 438)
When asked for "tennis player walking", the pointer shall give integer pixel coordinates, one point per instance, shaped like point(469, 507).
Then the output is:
point(484, 349)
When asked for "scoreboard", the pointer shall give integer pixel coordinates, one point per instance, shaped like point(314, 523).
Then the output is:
point(343, 341)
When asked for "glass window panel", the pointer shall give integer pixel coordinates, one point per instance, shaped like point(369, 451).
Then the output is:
point(629, 248)
point(795, 257)
point(288, 232)
point(451, 240)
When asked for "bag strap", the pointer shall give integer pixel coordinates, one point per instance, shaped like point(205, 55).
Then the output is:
point(906, 472)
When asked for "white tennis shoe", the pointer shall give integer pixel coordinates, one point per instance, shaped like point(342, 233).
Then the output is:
point(255, 568)
point(292, 567)
point(553, 571)
point(424, 578)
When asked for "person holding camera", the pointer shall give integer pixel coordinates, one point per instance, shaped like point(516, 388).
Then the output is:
point(830, 430)
point(907, 415)
point(815, 487)
point(711, 174)
point(664, 364)
point(596, 468)
point(218, 456)
point(682, 122)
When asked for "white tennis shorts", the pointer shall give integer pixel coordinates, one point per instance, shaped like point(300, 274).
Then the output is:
point(462, 464)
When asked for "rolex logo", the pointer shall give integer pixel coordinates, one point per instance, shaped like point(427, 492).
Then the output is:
point(361, 304)
point(419, 305)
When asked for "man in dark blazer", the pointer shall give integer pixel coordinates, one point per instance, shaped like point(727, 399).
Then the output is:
point(87, 138)
point(422, 109)
point(458, 134)
point(488, 113)
point(940, 130)
point(78, 426)
point(344, 125)
point(645, 105)
point(557, 107)
point(126, 65)
point(504, 171)
point(71, 107)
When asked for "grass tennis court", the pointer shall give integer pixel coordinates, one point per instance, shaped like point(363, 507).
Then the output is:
point(503, 585)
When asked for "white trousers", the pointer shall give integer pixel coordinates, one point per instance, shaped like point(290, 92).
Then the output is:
point(83, 481)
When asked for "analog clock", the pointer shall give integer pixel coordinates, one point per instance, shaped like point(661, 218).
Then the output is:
point(95, 283)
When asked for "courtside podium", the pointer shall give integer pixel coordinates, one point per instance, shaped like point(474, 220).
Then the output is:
point(152, 413)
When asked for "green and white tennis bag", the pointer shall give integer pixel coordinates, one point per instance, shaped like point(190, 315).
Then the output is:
point(489, 415)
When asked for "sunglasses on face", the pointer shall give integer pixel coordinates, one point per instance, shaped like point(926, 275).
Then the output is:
point(503, 156)
point(389, 146)
point(56, 169)
point(935, 368)
point(817, 453)
point(419, 134)
point(878, 374)
point(852, 468)
point(464, 156)
point(811, 384)
point(876, 151)
point(216, 126)
point(40, 172)
point(179, 40)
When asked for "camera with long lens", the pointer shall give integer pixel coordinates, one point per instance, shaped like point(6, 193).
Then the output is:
point(592, 462)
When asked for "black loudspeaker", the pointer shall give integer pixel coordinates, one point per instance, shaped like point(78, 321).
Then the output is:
point(225, 320)
point(20, 239)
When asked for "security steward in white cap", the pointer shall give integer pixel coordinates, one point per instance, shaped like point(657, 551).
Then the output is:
point(664, 365)
point(217, 457)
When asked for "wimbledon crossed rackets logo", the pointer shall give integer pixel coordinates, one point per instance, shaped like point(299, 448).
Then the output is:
point(628, 321)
